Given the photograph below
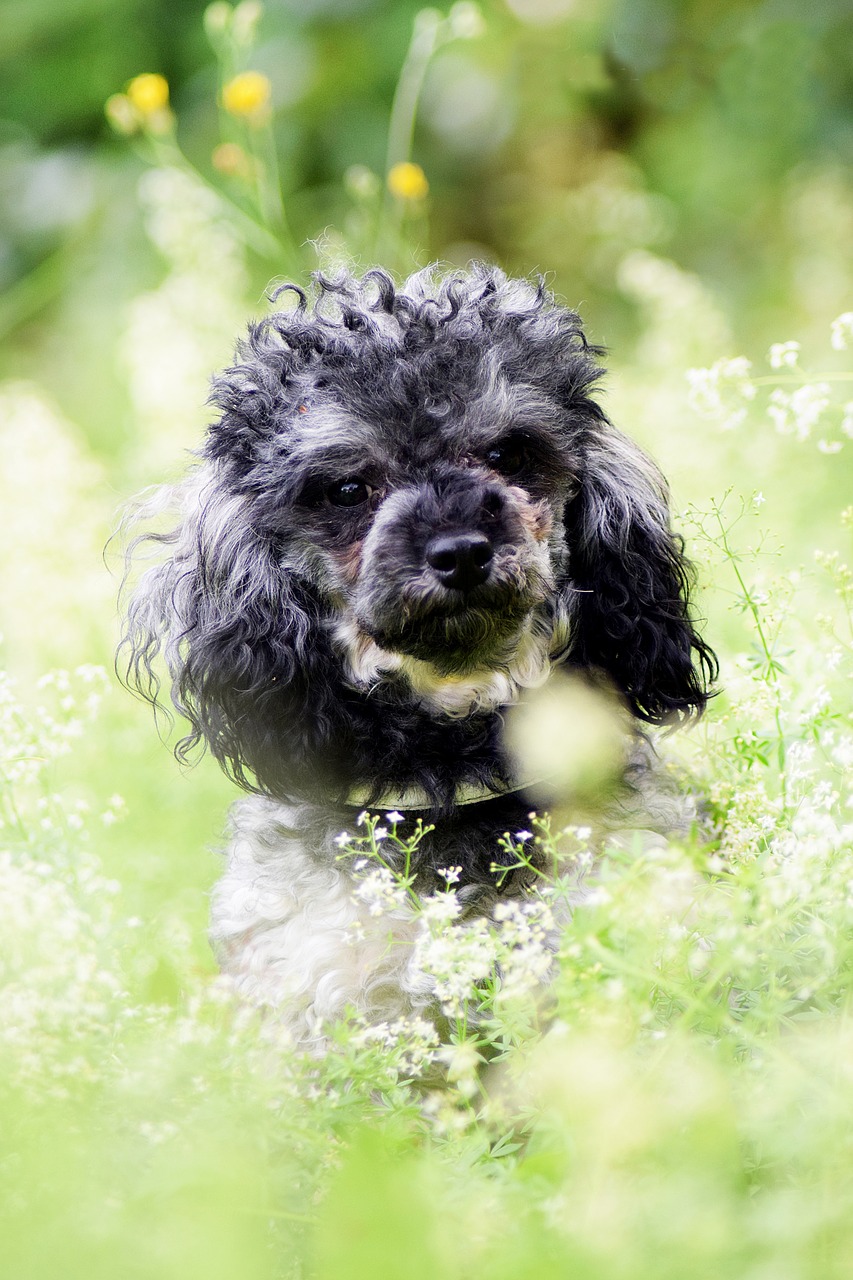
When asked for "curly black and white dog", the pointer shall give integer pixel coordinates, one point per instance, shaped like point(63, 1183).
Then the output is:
point(410, 509)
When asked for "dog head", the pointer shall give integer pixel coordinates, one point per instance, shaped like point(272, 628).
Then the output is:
point(411, 495)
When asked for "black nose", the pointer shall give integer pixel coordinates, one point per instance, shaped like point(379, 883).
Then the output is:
point(460, 560)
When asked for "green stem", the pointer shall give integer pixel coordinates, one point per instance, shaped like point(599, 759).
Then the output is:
point(258, 237)
point(33, 291)
point(273, 204)
point(770, 379)
point(11, 808)
point(754, 610)
point(404, 109)
point(425, 40)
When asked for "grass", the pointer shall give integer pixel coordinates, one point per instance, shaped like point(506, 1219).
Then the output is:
point(675, 1102)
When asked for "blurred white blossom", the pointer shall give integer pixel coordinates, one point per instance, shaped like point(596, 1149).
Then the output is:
point(842, 331)
point(179, 332)
point(784, 355)
point(797, 413)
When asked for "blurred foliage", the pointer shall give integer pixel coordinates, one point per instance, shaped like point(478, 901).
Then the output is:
point(712, 117)
point(680, 169)
point(560, 139)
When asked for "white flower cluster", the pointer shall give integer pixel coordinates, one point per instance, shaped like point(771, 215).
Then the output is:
point(724, 391)
point(457, 956)
point(527, 933)
point(797, 413)
point(412, 1042)
point(841, 331)
point(59, 996)
point(784, 355)
point(58, 969)
point(719, 392)
point(380, 890)
point(482, 966)
point(462, 1061)
point(30, 740)
point(19, 757)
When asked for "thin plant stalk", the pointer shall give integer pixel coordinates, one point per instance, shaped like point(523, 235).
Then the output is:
point(771, 665)
point(257, 236)
point(426, 37)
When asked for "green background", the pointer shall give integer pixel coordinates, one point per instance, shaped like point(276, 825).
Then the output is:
point(680, 171)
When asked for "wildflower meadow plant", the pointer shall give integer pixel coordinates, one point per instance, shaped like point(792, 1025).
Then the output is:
point(386, 221)
point(642, 1066)
point(671, 1016)
point(799, 402)
point(644, 1057)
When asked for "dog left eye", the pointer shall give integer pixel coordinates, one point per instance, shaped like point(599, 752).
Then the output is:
point(351, 492)
point(508, 457)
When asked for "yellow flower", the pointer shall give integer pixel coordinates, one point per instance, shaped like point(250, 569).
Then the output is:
point(149, 93)
point(248, 94)
point(407, 181)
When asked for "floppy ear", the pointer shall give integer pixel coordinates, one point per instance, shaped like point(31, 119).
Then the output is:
point(242, 644)
point(629, 585)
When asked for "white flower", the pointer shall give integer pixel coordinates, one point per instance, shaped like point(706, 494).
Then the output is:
point(711, 390)
point(380, 892)
point(440, 908)
point(798, 413)
point(450, 874)
point(455, 958)
point(777, 411)
point(784, 355)
point(521, 836)
point(821, 702)
point(395, 816)
point(466, 21)
point(832, 661)
point(462, 1061)
point(807, 404)
point(343, 839)
point(842, 331)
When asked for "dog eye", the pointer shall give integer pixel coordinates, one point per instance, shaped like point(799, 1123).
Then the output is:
point(509, 457)
point(351, 492)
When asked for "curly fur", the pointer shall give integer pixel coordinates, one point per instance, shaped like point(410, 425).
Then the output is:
point(317, 651)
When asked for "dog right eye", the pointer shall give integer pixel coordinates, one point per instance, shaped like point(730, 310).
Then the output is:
point(509, 456)
point(351, 492)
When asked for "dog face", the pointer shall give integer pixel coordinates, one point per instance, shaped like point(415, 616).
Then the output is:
point(430, 534)
point(410, 492)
